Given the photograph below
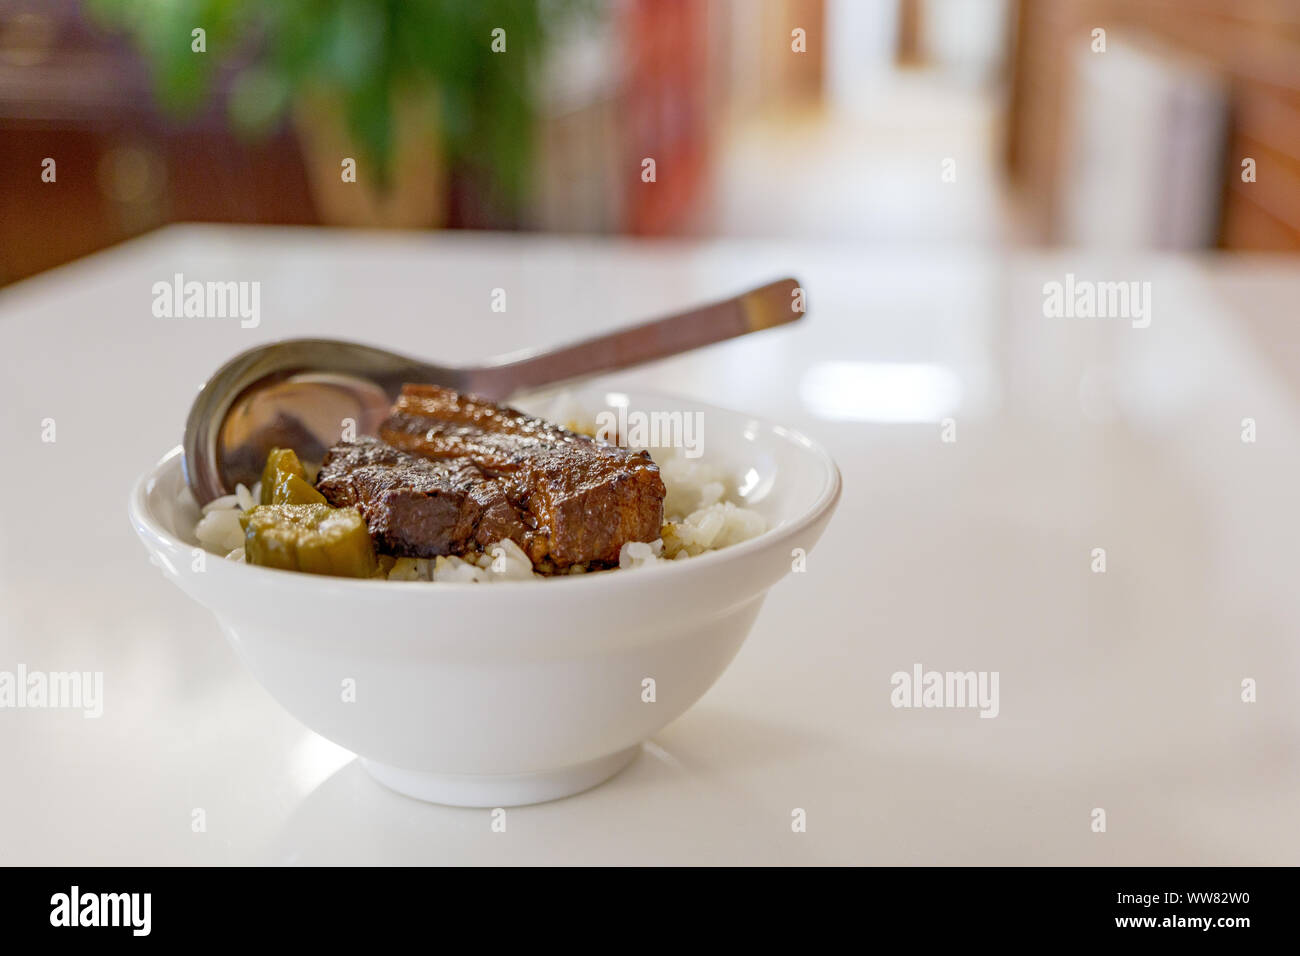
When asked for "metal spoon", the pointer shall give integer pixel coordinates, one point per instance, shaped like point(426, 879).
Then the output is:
point(304, 393)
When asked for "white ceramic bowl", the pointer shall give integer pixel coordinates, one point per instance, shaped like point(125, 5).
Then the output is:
point(514, 692)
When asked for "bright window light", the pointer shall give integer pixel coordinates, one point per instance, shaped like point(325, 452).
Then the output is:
point(880, 391)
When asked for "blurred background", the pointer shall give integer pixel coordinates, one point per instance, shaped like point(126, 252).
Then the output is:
point(900, 121)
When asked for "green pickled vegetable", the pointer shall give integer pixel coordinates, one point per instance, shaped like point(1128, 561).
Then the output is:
point(281, 463)
point(284, 481)
point(314, 538)
point(293, 490)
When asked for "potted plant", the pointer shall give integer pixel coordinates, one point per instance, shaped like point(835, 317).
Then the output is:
point(415, 91)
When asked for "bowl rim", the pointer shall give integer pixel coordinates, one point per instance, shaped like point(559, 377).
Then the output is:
point(154, 534)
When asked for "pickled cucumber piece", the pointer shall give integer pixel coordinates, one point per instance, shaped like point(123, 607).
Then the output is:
point(314, 538)
point(293, 490)
point(284, 481)
point(280, 463)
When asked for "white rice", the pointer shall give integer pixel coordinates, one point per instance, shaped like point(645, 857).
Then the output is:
point(219, 529)
point(702, 513)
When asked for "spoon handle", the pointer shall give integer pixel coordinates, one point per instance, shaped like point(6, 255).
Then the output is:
point(764, 307)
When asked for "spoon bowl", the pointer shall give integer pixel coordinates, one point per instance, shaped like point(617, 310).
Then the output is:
point(306, 393)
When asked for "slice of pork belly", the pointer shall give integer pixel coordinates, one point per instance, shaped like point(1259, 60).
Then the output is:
point(419, 508)
point(581, 499)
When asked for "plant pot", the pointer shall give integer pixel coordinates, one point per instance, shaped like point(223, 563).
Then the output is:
point(415, 194)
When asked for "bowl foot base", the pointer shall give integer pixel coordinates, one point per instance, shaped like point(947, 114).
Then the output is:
point(500, 789)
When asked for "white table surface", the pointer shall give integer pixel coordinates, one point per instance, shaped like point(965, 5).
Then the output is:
point(1118, 690)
